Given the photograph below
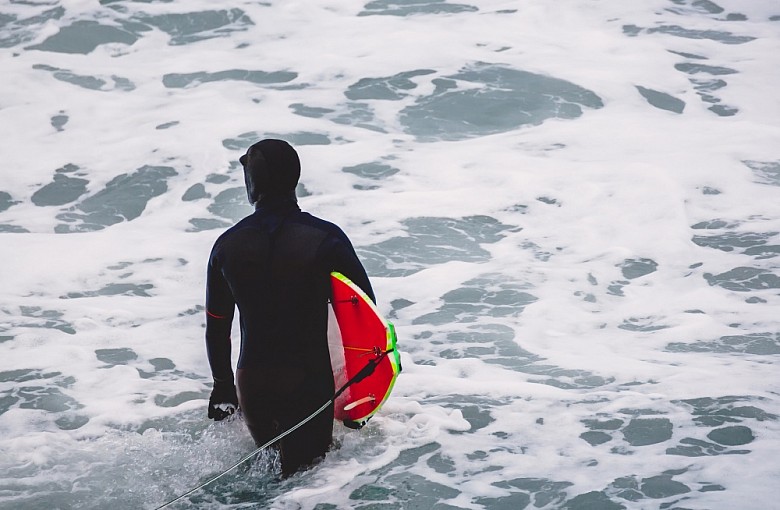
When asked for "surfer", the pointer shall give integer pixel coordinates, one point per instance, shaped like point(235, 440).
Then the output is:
point(274, 266)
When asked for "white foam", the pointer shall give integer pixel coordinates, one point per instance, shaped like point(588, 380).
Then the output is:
point(625, 181)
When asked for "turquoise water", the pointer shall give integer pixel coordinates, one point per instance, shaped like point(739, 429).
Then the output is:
point(571, 213)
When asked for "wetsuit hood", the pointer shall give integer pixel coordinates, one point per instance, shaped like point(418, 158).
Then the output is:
point(271, 169)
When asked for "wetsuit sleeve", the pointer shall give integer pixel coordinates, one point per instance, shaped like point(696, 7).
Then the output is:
point(220, 306)
point(341, 257)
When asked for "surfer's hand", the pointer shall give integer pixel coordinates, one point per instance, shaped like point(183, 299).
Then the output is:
point(223, 401)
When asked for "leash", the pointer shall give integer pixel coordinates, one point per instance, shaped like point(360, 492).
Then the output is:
point(364, 372)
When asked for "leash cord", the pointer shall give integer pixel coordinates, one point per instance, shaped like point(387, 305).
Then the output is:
point(364, 372)
point(250, 455)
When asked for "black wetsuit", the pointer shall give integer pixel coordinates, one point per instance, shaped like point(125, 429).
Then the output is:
point(275, 265)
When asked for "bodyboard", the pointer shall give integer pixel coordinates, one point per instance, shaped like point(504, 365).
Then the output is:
point(357, 334)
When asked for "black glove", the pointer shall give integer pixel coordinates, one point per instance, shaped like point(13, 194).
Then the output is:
point(223, 401)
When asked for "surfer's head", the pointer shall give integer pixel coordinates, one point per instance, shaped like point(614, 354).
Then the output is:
point(271, 167)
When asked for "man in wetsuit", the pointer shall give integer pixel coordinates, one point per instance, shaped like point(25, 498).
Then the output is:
point(275, 266)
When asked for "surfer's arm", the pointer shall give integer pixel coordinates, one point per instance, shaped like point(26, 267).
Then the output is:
point(220, 306)
point(341, 257)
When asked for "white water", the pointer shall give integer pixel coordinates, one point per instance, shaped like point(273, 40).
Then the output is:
point(571, 213)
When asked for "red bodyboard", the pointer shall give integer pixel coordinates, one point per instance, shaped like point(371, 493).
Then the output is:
point(357, 334)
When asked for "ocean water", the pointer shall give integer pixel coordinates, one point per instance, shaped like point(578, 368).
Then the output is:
point(570, 210)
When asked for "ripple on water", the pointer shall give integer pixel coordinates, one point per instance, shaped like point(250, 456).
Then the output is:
point(495, 99)
point(124, 198)
point(433, 240)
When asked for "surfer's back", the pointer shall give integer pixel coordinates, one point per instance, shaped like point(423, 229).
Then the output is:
point(276, 263)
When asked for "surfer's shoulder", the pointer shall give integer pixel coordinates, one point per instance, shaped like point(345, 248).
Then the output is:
point(249, 222)
point(321, 224)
